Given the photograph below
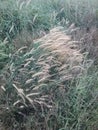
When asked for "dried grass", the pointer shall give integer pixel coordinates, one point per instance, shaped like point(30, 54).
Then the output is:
point(61, 47)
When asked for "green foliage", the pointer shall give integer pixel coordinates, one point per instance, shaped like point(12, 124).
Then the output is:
point(78, 109)
point(17, 16)
point(5, 50)
point(9, 21)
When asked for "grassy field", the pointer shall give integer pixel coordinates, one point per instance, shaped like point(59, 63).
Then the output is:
point(48, 65)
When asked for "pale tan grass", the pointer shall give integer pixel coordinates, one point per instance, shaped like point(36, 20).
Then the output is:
point(63, 48)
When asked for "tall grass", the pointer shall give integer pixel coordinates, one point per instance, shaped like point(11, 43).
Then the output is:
point(47, 79)
point(78, 109)
point(49, 87)
point(16, 16)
